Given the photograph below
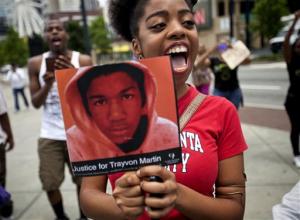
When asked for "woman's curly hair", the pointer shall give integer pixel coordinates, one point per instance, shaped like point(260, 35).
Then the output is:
point(124, 16)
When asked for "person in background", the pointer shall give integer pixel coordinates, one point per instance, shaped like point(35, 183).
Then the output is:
point(202, 76)
point(210, 183)
point(52, 146)
point(6, 144)
point(289, 208)
point(17, 79)
point(226, 79)
point(292, 102)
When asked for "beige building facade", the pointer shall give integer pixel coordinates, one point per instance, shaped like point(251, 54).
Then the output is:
point(216, 20)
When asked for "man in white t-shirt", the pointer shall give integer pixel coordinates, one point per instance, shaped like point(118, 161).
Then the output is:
point(17, 79)
point(52, 146)
point(6, 144)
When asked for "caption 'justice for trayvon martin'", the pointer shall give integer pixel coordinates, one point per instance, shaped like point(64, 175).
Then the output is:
point(125, 163)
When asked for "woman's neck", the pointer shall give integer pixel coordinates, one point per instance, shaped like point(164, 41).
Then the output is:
point(181, 90)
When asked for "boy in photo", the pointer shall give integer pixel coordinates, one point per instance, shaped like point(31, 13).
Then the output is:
point(113, 108)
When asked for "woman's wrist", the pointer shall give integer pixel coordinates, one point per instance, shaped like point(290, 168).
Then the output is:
point(180, 196)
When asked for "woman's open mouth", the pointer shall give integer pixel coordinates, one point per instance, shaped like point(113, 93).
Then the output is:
point(178, 55)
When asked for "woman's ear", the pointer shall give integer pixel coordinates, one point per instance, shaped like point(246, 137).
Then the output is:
point(136, 48)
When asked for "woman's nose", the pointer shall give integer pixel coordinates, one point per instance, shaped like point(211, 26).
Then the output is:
point(177, 31)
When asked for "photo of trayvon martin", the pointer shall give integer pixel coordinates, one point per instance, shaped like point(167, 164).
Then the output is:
point(113, 109)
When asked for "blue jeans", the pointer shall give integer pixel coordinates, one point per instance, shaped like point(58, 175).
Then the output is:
point(235, 96)
point(16, 93)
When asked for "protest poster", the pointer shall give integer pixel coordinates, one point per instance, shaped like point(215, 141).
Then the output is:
point(120, 116)
point(235, 54)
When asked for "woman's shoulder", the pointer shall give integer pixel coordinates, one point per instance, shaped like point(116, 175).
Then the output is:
point(210, 102)
point(217, 101)
point(218, 106)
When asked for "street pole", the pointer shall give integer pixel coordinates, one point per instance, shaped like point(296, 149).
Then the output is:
point(247, 20)
point(87, 44)
point(231, 12)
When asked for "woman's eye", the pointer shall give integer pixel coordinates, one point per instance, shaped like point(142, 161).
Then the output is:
point(157, 27)
point(189, 23)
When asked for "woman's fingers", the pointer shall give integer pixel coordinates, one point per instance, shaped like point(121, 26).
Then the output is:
point(127, 186)
point(128, 195)
point(167, 185)
point(127, 192)
point(155, 170)
point(127, 180)
point(160, 202)
point(158, 213)
point(158, 206)
point(131, 206)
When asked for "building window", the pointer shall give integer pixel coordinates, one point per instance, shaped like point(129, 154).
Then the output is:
point(221, 8)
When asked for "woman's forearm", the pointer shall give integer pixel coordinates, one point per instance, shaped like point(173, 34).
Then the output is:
point(197, 206)
point(99, 205)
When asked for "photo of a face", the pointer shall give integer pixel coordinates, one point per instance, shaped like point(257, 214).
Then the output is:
point(114, 118)
point(115, 106)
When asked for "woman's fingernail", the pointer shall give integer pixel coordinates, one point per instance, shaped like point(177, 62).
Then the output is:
point(147, 209)
point(119, 202)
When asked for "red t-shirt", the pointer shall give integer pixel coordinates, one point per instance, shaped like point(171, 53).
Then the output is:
point(213, 134)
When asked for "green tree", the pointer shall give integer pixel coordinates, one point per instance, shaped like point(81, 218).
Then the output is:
point(75, 31)
point(100, 35)
point(2, 58)
point(267, 14)
point(13, 49)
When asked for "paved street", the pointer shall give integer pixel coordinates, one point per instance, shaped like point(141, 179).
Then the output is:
point(266, 117)
point(264, 85)
point(268, 164)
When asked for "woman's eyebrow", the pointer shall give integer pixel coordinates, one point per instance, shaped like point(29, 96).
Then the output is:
point(160, 13)
point(185, 11)
point(163, 13)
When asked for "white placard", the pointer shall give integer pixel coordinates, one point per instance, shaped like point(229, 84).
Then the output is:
point(236, 54)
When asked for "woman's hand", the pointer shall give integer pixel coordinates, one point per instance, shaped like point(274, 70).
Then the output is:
point(158, 207)
point(128, 195)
